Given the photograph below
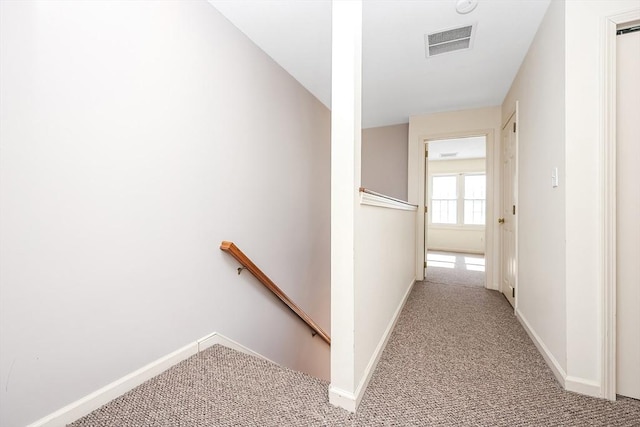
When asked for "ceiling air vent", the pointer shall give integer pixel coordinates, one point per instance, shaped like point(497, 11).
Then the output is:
point(449, 40)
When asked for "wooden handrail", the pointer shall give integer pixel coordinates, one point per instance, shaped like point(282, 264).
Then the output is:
point(232, 249)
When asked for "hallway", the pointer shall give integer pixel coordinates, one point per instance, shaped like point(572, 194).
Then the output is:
point(457, 357)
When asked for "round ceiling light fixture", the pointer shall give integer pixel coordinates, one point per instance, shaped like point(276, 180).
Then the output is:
point(466, 6)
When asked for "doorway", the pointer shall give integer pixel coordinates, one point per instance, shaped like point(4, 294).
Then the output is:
point(455, 221)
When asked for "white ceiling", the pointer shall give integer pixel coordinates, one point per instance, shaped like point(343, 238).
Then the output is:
point(473, 147)
point(398, 81)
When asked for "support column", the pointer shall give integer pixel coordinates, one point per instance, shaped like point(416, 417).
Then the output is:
point(346, 132)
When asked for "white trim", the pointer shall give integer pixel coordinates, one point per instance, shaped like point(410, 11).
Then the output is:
point(104, 395)
point(582, 386)
point(607, 200)
point(553, 364)
point(350, 401)
point(383, 202)
point(342, 399)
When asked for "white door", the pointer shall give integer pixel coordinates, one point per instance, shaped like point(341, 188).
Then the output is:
point(628, 215)
point(508, 216)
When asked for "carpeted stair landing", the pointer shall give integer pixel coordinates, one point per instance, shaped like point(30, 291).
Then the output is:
point(457, 357)
point(222, 387)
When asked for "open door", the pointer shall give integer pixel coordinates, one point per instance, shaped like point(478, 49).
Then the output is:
point(508, 218)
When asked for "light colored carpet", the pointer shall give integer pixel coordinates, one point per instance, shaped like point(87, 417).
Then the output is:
point(457, 357)
point(452, 268)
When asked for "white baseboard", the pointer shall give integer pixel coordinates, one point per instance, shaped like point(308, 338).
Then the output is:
point(569, 383)
point(93, 401)
point(350, 401)
point(557, 370)
point(98, 398)
point(582, 386)
point(343, 399)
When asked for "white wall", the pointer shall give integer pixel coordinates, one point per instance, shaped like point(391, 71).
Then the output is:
point(385, 271)
point(384, 160)
point(539, 88)
point(135, 137)
point(584, 99)
point(481, 121)
point(451, 166)
point(469, 239)
point(561, 84)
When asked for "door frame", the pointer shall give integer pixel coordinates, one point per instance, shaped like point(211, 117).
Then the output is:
point(489, 254)
point(608, 198)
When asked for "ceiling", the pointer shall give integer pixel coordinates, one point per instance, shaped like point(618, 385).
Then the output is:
point(473, 147)
point(397, 79)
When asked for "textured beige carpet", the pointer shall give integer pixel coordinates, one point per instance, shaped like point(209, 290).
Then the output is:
point(457, 357)
point(452, 268)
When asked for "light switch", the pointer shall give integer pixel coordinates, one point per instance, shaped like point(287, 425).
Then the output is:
point(554, 177)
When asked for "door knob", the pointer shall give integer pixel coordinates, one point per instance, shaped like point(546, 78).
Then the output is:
point(500, 220)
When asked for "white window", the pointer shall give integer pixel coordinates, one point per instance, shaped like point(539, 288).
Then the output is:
point(475, 195)
point(458, 199)
point(444, 201)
